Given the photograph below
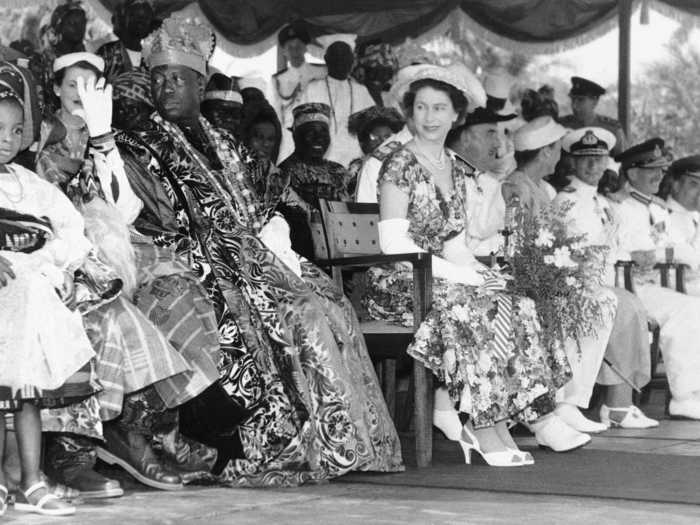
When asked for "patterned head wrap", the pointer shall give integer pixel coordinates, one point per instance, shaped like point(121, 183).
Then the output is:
point(311, 112)
point(367, 118)
point(17, 84)
point(377, 55)
point(180, 41)
point(133, 85)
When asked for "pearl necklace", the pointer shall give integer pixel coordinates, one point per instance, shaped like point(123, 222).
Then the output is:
point(440, 163)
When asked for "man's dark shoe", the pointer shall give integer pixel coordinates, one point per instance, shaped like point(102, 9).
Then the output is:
point(133, 453)
point(192, 460)
point(70, 461)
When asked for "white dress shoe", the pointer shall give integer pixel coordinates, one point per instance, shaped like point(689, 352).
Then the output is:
point(685, 409)
point(633, 418)
point(448, 422)
point(552, 433)
point(573, 417)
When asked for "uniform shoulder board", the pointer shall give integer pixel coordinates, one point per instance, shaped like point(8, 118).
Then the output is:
point(281, 71)
point(383, 151)
point(568, 189)
point(660, 202)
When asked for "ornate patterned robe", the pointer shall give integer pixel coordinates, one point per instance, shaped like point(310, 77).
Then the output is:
point(292, 352)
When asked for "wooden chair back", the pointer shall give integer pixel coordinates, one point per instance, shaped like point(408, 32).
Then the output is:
point(350, 228)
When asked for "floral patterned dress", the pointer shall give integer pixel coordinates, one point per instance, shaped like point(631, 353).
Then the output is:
point(457, 339)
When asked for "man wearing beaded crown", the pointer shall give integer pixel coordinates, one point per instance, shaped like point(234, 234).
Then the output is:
point(643, 236)
point(279, 317)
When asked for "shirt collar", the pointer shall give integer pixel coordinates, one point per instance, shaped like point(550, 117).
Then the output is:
point(584, 189)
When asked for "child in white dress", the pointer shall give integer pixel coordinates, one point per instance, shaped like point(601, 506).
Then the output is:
point(44, 350)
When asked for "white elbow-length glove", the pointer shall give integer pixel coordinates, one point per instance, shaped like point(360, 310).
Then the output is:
point(394, 238)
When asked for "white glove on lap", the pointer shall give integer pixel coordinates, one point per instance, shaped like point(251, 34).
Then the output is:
point(394, 238)
point(97, 105)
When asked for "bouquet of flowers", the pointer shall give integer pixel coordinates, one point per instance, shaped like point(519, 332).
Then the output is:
point(560, 273)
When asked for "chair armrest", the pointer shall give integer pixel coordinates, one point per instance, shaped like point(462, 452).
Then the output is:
point(679, 268)
point(422, 275)
point(417, 259)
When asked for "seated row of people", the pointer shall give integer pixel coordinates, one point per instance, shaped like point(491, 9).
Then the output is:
point(192, 315)
point(188, 309)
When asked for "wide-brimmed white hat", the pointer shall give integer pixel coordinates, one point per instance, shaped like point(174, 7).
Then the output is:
point(538, 133)
point(457, 76)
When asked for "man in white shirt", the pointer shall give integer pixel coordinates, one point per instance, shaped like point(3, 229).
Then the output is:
point(643, 237)
point(683, 184)
point(344, 95)
point(585, 212)
point(289, 83)
point(485, 142)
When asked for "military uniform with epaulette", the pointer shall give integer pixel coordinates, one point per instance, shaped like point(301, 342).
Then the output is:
point(643, 229)
point(583, 87)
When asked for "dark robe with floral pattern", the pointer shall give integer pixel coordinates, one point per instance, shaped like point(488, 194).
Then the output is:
point(292, 353)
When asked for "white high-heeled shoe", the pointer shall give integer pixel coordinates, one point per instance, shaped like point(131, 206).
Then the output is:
point(504, 458)
point(447, 421)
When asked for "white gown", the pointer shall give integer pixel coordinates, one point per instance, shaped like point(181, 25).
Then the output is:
point(42, 342)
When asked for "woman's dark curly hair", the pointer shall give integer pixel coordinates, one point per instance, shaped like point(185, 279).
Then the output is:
point(459, 101)
point(539, 103)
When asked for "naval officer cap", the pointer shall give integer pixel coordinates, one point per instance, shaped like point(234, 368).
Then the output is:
point(648, 154)
point(591, 141)
point(587, 88)
point(688, 166)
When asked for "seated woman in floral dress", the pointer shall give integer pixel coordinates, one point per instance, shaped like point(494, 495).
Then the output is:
point(493, 378)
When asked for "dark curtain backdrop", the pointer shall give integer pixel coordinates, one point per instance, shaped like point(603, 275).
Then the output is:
point(246, 22)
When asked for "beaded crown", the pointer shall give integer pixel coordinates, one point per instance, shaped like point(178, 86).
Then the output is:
point(180, 41)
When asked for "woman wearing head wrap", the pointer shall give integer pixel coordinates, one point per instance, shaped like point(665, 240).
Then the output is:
point(44, 349)
point(372, 127)
point(473, 337)
point(376, 66)
point(65, 35)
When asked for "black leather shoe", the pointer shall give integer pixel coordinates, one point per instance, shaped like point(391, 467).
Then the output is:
point(192, 460)
point(134, 454)
point(71, 461)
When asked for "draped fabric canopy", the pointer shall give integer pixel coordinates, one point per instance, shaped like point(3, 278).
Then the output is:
point(249, 22)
